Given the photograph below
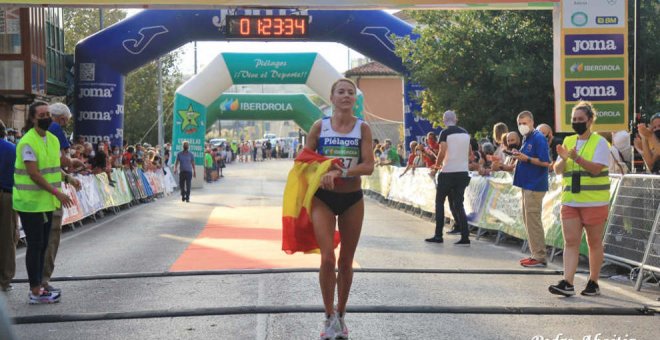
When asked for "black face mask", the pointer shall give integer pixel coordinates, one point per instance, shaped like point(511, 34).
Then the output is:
point(579, 128)
point(44, 123)
point(514, 146)
point(657, 134)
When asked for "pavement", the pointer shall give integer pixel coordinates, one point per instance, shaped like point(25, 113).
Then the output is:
point(480, 292)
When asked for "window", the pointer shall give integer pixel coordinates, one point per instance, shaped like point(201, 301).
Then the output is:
point(11, 75)
point(10, 31)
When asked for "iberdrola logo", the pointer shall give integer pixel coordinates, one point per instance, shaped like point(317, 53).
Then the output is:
point(189, 117)
point(579, 68)
point(229, 105)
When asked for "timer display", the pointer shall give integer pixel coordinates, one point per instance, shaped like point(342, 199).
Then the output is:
point(270, 27)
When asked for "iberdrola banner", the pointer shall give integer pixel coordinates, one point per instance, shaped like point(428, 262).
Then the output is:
point(189, 126)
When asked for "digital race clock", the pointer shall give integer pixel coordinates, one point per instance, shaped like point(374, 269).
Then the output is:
point(270, 27)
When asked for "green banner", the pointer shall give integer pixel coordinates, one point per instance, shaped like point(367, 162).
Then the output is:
point(594, 68)
point(296, 107)
point(189, 125)
point(269, 68)
point(612, 113)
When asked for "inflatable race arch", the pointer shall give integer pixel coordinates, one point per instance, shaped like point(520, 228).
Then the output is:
point(201, 98)
point(103, 59)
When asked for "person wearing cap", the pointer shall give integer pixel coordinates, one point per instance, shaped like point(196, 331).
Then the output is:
point(36, 194)
point(8, 230)
point(452, 161)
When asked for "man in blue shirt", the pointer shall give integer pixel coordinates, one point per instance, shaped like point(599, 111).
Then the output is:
point(8, 231)
point(531, 175)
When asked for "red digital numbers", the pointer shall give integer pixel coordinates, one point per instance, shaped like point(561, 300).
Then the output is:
point(267, 27)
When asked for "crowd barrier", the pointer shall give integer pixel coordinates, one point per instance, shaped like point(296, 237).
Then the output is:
point(97, 194)
point(493, 203)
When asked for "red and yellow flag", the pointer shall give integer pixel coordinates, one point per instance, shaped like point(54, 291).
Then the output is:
point(303, 181)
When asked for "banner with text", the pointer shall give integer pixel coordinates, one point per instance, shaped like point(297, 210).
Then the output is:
point(594, 62)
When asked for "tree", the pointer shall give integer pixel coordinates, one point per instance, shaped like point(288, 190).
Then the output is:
point(141, 100)
point(141, 86)
point(648, 49)
point(486, 65)
point(79, 23)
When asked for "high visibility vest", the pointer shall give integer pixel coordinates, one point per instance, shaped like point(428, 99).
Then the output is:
point(27, 196)
point(593, 188)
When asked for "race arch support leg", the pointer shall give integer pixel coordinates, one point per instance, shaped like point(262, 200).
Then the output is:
point(99, 109)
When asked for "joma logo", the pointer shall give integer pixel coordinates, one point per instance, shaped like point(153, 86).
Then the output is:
point(594, 45)
point(95, 93)
point(594, 91)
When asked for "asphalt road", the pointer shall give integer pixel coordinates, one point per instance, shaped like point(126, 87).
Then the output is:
point(153, 237)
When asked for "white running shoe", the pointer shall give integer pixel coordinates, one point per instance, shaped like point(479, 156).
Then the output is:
point(44, 297)
point(342, 331)
point(329, 328)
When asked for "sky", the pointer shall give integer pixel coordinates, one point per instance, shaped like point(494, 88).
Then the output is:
point(337, 55)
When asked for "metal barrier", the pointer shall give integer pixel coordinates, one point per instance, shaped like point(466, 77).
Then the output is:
point(631, 233)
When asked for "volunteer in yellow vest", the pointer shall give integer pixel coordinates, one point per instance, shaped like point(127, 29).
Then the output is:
point(583, 162)
point(36, 194)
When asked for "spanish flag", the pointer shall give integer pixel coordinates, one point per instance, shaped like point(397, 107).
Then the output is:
point(303, 181)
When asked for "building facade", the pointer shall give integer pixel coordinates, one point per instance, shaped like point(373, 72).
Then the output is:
point(32, 60)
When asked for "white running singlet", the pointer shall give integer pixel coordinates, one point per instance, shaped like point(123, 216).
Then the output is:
point(346, 147)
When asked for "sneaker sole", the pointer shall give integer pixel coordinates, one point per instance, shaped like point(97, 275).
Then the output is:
point(590, 294)
point(534, 265)
point(557, 291)
point(43, 303)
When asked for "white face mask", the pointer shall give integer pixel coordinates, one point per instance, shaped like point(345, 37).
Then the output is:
point(524, 129)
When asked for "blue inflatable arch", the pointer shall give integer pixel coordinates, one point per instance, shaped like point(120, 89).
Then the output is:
point(104, 59)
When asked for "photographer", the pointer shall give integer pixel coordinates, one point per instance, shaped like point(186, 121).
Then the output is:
point(647, 144)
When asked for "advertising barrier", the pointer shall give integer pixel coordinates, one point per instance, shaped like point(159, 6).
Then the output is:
point(97, 194)
point(493, 203)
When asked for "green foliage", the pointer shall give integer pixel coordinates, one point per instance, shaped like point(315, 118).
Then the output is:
point(141, 100)
point(648, 50)
point(79, 23)
point(486, 65)
point(141, 92)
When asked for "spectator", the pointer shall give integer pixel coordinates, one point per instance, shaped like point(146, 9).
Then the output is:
point(500, 130)
point(507, 164)
point(531, 176)
point(61, 116)
point(36, 195)
point(391, 156)
point(208, 165)
point(8, 225)
point(453, 178)
point(414, 159)
point(186, 160)
point(128, 159)
point(583, 160)
point(488, 150)
point(620, 152)
point(476, 159)
point(648, 144)
point(378, 151)
point(11, 136)
point(432, 147)
point(402, 154)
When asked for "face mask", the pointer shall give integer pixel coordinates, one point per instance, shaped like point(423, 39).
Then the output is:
point(579, 128)
point(44, 123)
point(514, 146)
point(657, 134)
point(12, 139)
point(524, 129)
